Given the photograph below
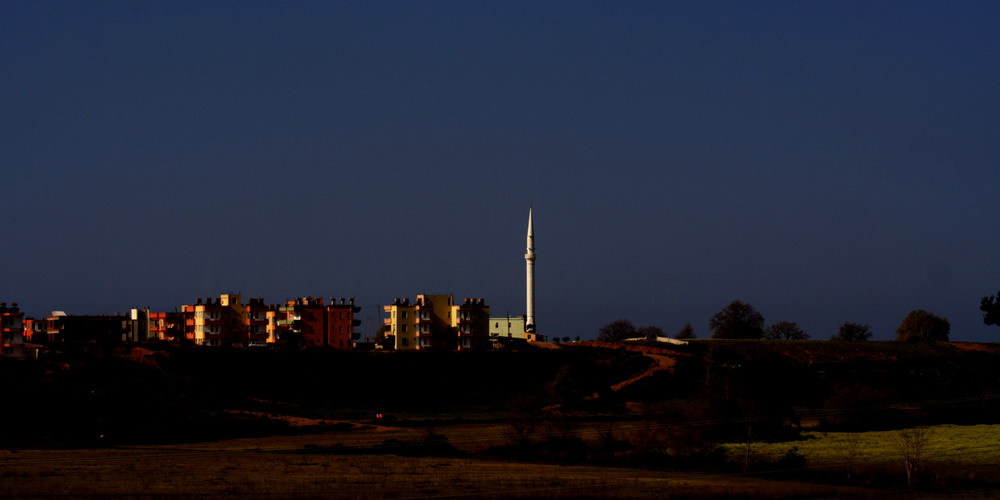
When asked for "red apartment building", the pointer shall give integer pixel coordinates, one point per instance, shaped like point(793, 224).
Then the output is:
point(472, 324)
point(36, 331)
point(256, 322)
point(11, 330)
point(310, 322)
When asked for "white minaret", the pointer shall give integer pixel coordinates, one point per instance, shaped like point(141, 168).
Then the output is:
point(529, 260)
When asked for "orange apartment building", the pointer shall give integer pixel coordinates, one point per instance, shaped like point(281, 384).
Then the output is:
point(224, 321)
point(167, 326)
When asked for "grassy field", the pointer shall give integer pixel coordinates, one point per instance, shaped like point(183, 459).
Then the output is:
point(969, 452)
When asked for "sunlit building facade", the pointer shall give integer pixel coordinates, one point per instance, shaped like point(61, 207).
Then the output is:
point(436, 322)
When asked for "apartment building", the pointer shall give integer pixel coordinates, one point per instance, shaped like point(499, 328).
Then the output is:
point(36, 330)
point(437, 322)
point(166, 326)
point(216, 322)
point(11, 330)
point(86, 328)
point(256, 322)
point(311, 322)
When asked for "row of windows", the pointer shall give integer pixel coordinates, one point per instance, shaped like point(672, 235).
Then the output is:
point(418, 315)
point(416, 328)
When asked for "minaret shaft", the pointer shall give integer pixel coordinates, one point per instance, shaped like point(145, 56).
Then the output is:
point(529, 260)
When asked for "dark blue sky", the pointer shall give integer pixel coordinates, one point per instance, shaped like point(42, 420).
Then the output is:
point(823, 161)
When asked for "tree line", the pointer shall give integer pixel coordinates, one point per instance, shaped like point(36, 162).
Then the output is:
point(740, 320)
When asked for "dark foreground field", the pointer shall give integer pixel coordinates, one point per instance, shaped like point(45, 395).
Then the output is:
point(708, 420)
point(309, 466)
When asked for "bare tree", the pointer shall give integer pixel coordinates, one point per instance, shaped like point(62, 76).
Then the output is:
point(911, 444)
point(750, 410)
point(852, 442)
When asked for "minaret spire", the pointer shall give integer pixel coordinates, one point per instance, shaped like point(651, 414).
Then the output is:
point(529, 260)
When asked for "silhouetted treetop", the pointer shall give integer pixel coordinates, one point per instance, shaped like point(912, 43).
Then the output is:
point(853, 332)
point(651, 332)
point(785, 330)
point(617, 330)
point(920, 325)
point(990, 306)
point(738, 320)
point(686, 333)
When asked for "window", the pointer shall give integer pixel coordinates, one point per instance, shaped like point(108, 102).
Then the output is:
point(405, 342)
point(404, 314)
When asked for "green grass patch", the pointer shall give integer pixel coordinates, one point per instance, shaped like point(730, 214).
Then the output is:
point(947, 447)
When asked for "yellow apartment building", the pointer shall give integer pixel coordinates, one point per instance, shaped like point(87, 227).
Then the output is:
point(436, 322)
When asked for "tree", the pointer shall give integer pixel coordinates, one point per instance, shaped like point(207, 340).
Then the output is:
point(849, 449)
point(853, 332)
point(617, 331)
point(920, 325)
point(686, 333)
point(785, 330)
point(911, 443)
point(737, 321)
point(990, 306)
point(385, 338)
point(651, 332)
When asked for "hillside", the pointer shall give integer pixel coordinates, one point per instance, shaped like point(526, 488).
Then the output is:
point(164, 393)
